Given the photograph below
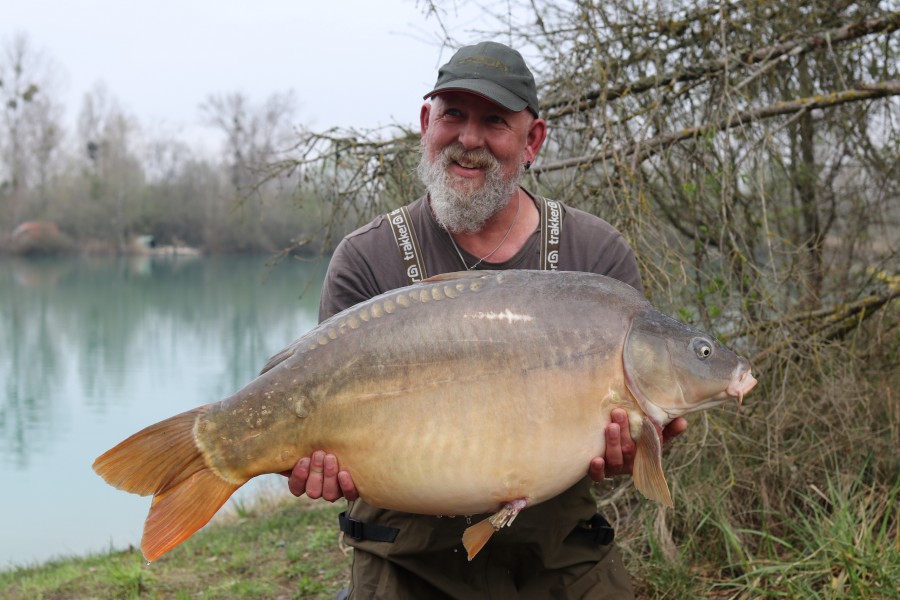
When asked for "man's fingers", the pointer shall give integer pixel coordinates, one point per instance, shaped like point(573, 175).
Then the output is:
point(674, 429)
point(627, 445)
point(597, 470)
point(330, 489)
point(613, 455)
point(347, 487)
point(298, 476)
point(314, 483)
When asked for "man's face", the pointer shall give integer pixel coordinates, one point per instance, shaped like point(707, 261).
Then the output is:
point(472, 158)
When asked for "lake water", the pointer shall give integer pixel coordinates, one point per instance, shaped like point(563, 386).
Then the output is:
point(92, 350)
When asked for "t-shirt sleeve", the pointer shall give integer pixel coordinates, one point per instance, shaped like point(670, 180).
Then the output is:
point(593, 245)
point(348, 281)
point(619, 262)
point(365, 264)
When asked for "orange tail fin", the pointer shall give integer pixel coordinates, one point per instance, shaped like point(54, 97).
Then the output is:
point(163, 460)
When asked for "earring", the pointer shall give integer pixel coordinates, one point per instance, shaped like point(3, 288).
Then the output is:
point(527, 165)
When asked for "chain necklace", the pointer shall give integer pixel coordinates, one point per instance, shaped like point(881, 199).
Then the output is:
point(491, 253)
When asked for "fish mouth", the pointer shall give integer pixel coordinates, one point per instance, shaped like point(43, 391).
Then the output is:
point(740, 385)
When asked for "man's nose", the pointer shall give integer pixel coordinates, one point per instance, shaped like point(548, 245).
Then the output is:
point(471, 135)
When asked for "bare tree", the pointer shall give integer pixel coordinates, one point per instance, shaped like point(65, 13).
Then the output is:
point(108, 138)
point(30, 129)
point(253, 134)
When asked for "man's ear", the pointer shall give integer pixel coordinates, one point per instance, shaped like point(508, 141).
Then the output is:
point(424, 115)
point(537, 133)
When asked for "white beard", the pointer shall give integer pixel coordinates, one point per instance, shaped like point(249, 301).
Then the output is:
point(459, 205)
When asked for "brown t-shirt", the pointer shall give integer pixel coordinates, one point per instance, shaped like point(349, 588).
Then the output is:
point(368, 262)
point(426, 559)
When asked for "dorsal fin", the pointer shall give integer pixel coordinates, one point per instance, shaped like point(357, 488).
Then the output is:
point(289, 351)
point(456, 276)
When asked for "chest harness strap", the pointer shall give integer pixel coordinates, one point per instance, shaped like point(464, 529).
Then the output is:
point(408, 243)
point(411, 251)
point(551, 229)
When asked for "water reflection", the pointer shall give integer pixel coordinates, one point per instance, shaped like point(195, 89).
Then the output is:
point(92, 350)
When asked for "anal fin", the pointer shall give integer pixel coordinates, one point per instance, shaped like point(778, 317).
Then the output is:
point(475, 537)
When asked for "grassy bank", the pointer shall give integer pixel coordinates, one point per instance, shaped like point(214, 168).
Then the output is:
point(283, 550)
point(845, 544)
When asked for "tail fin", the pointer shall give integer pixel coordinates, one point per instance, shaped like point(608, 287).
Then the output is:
point(163, 460)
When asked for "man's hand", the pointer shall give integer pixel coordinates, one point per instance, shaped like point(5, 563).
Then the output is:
point(620, 448)
point(320, 476)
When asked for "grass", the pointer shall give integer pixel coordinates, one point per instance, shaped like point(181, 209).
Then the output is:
point(840, 541)
point(287, 550)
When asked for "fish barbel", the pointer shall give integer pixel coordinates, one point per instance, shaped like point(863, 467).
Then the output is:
point(465, 394)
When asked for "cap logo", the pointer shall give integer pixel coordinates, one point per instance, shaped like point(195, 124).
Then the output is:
point(487, 61)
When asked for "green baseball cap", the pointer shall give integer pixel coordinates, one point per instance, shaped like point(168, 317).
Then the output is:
point(493, 71)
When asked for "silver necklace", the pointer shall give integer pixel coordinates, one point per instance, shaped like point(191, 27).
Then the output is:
point(491, 253)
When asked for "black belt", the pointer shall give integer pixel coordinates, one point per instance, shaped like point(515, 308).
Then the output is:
point(366, 531)
point(596, 530)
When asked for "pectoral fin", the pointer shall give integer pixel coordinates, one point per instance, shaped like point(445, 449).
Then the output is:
point(648, 473)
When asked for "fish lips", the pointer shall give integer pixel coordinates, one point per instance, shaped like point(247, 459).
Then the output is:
point(741, 384)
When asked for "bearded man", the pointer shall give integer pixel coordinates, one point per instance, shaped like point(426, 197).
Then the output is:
point(481, 130)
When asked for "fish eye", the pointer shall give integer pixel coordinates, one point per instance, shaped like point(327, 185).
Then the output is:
point(702, 348)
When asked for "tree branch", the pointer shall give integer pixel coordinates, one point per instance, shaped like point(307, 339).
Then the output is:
point(644, 149)
point(826, 324)
point(567, 106)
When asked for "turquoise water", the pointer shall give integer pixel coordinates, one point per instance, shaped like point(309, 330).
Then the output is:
point(92, 350)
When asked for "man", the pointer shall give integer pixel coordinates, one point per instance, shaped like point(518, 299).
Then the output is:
point(480, 131)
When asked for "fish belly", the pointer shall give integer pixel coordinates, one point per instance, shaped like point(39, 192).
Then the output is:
point(469, 451)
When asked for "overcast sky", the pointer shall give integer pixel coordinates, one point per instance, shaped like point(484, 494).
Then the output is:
point(350, 63)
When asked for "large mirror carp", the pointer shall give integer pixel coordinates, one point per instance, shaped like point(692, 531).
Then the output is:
point(466, 394)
